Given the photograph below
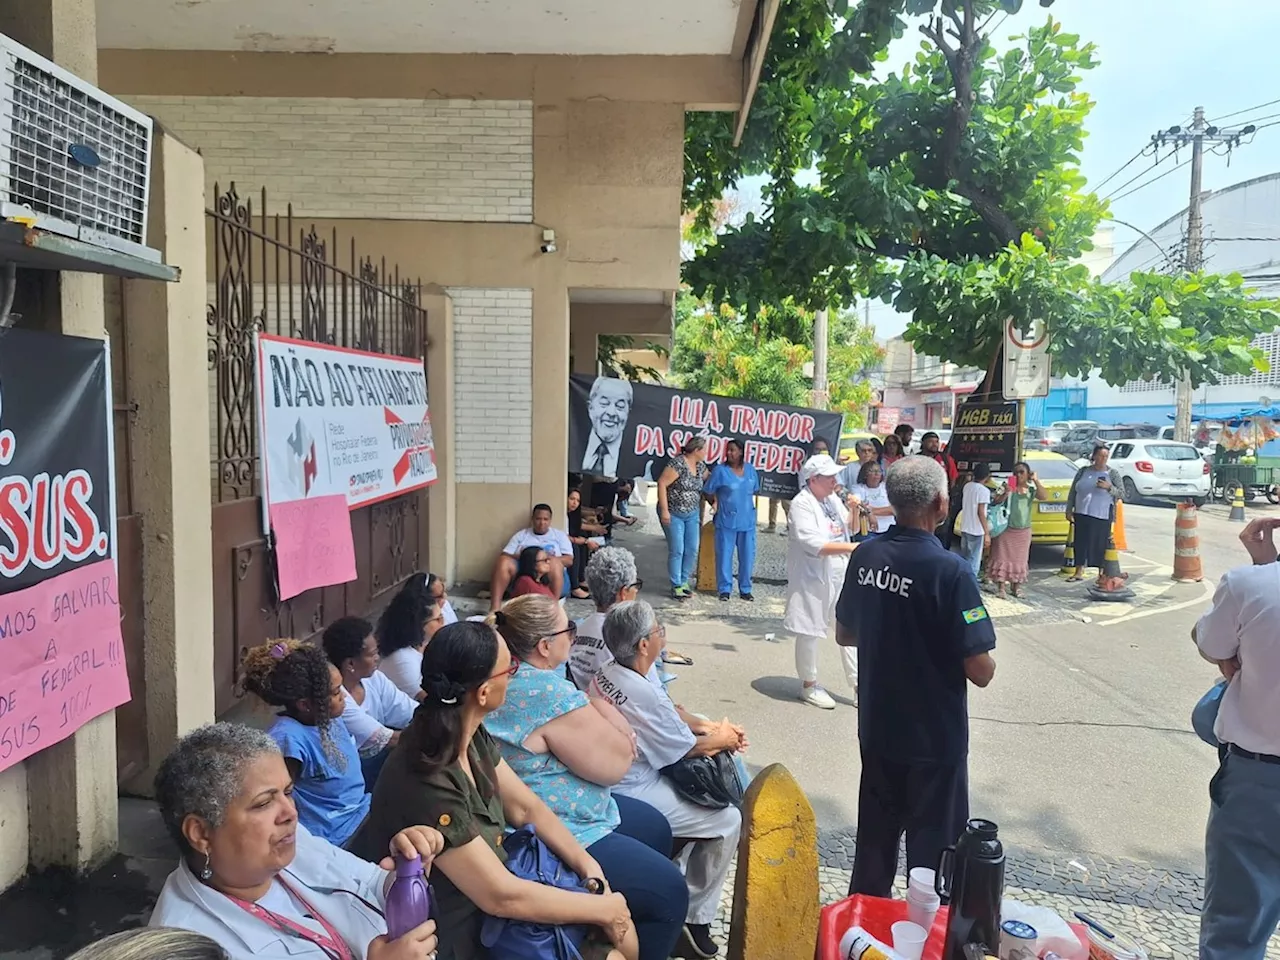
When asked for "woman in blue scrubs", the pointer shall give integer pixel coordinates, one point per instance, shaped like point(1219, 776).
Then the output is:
point(734, 485)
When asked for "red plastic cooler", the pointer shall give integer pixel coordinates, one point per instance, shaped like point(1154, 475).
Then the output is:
point(877, 916)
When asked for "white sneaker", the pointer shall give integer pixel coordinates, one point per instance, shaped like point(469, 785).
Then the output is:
point(817, 697)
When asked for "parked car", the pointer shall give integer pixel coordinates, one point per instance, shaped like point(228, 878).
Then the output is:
point(1042, 438)
point(1079, 443)
point(1067, 425)
point(1162, 469)
point(1202, 441)
point(1049, 516)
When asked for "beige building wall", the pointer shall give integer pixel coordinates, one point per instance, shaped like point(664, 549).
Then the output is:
point(458, 165)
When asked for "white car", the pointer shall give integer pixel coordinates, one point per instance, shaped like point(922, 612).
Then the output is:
point(1161, 468)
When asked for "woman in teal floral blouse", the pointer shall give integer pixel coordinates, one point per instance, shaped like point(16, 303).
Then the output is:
point(570, 750)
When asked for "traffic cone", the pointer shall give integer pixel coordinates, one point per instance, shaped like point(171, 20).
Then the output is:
point(1117, 528)
point(1186, 545)
point(1237, 504)
point(1069, 554)
point(1113, 586)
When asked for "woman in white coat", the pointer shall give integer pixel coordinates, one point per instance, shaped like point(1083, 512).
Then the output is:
point(818, 546)
point(252, 879)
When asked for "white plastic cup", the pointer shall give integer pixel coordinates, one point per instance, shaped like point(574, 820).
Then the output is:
point(922, 912)
point(908, 939)
point(922, 879)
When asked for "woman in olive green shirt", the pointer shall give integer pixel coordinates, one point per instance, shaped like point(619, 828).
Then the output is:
point(447, 772)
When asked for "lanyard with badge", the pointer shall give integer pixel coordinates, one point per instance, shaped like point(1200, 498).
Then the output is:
point(330, 942)
point(838, 531)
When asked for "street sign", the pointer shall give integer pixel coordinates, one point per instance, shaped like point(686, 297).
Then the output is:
point(1026, 361)
point(985, 432)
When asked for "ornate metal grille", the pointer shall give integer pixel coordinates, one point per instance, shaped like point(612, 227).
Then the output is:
point(273, 276)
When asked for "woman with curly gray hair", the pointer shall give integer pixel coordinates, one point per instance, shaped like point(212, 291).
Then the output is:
point(253, 879)
point(611, 578)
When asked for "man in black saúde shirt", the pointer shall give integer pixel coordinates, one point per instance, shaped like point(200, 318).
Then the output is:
point(916, 615)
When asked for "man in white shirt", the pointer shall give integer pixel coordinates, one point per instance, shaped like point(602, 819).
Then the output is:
point(1241, 634)
point(975, 530)
point(539, 533)
point(609, 407)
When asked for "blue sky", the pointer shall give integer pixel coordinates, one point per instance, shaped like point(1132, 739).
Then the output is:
point(1159, 60)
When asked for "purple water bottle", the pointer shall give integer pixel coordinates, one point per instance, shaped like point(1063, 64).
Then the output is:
point(408, 900)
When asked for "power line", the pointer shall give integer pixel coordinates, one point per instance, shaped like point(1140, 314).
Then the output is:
point(1245, 110)
point(1143, 186)
point(1123, 167)
point(1142, 174)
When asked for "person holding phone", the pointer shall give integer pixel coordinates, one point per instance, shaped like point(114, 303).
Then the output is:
point(1091, 504)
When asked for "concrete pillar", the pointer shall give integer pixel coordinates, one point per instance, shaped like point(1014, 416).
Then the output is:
point(442, 504)
point(71, 787)
point(549, 476)
point(775, 891)
point(166, 356)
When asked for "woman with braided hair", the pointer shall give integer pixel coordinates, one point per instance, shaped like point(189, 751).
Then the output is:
point(319, 751)
point(447, 772)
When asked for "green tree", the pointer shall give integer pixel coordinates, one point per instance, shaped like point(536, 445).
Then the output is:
point(721, 351)
point(950, 188)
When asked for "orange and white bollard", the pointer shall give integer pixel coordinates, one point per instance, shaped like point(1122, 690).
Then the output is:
point(1186, 545)
point(1117, 528)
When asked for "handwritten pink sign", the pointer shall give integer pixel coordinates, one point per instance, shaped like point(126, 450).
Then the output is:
point(314, 547)
point(61, 659)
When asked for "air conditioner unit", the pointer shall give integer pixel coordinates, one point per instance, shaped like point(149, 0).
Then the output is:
point(73, 160)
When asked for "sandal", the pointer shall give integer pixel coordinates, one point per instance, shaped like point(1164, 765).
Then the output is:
point(1074, 579)
point(677, 659)
point(581, 594)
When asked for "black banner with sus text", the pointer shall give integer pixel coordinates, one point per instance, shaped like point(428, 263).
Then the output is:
point(623, 429)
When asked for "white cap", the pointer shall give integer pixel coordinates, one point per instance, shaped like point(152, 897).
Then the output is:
point(820, 465)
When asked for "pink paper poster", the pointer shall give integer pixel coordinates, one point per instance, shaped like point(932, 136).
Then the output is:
point(314, 547)
point(61, 659)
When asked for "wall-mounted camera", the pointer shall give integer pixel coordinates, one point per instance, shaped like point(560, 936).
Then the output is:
point(548, 241)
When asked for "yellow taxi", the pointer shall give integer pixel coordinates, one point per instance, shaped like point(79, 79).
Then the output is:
point(1049, 516)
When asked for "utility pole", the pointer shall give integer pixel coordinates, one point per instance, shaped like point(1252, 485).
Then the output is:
point(1193, 260)
point(820, 360)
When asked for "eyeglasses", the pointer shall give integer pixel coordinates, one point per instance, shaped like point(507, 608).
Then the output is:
point(660, 631)
point(543, 560)
point(638, 585)
point(571, 630)
point(509, 672)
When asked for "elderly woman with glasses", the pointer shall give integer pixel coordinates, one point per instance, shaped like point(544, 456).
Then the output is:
point(252, 879)
point(448, 771)
point(570, 750)
point(611, 577)
point(666, 733)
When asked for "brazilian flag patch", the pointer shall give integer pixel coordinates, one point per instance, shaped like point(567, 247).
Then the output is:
point(976, 614)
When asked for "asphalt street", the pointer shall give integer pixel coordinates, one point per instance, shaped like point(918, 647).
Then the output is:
point(1081, 746)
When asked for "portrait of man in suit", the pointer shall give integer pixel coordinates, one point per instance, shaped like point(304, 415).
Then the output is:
point(609, 408)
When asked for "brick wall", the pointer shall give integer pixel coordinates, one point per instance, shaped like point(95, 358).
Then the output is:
point(493, 384)
point(394, 159)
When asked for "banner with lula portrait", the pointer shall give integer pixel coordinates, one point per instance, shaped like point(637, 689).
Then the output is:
point(623, 429)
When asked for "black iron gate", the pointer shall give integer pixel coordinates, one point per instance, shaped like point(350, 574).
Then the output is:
point(272, 276)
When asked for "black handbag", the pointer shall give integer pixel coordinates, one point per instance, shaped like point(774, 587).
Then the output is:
point(711, 782)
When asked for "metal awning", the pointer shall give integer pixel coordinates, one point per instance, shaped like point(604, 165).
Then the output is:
point(37, 249)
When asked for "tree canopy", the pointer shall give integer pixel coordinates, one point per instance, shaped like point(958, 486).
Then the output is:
point(718, 350)
point(951, 187)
